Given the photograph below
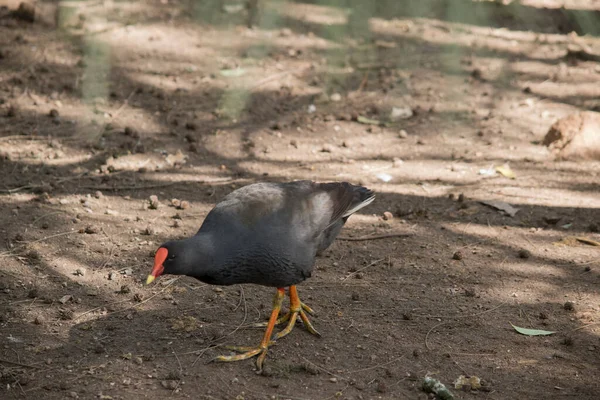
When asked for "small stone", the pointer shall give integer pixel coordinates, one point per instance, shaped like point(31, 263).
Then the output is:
point(184, 205)
point(355, 296)
point(112, 276)
point(127, 381)
point(294, 143)
point(79, 272)
point(73, 395)
point(138, 360)
point(335, 97)
point(327, 148)
point(98, 194)
point(33, 293)
point(39, 320)
point(171, 385)
point(524, 253)
point(461, 198)
point(125, 289)
point(470, 292)
point(387, 216)
point(91, 229)
point(148, 231)
point(53, 113)
point(333, 380)
point(191, 126)
point(407, 316)
point(175, 202)
point(569, 306)
point(153, 202)
point(458, 255)
point(402, 134)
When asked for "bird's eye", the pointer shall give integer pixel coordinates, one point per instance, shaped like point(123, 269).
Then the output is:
point(171, 256)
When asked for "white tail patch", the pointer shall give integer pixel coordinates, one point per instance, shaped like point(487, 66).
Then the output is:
point(354, 209)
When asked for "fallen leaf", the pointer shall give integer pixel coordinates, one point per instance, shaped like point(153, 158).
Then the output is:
point(502, 206)
point(467, 382)
point(532, 332)
point(367, 121)
point(506, 171)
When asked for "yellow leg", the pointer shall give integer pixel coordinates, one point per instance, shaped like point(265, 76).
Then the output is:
point(261, 349)
point(297, 308)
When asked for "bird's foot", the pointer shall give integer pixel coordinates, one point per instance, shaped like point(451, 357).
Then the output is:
point(297, 308)
point(245, 353)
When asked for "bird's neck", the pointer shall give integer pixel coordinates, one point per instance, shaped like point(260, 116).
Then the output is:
point(199, 259)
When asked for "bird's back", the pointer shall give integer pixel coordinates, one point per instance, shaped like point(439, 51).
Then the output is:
point(269, 233)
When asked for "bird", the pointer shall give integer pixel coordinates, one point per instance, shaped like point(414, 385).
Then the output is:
point(268, 234)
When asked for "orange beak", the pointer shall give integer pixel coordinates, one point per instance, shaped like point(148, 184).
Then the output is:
point(158, 269)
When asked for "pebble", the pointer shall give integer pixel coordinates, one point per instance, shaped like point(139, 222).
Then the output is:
point(334, 380)
point(171, 385)
point(335, 97)
point(79, 272)
point(523, 253)
point(90, 229)
point(402, 134)
point(387, 216)
point(138, 360)
point(153, 202)
point(569, 306)
point(98, 194)
point(111, 276)
point(458, 255)
point(175, 202)
point(184, 205)
point(53, 113)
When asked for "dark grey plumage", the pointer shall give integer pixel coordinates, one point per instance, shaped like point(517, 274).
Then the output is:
point(267, 233)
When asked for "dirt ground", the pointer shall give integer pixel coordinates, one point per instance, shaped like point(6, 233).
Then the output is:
point(105, 104)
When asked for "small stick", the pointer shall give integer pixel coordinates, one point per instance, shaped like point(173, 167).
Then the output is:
point(378, 365)
point(323, 369)
point(123, 105)
point(375, 237)
point(18, 363)
point(8, 252)
point(362, 269)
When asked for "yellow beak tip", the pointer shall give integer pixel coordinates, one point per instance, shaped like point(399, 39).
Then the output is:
point(150, 279)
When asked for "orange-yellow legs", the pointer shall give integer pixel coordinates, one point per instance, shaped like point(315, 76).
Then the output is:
point(261, 349)
point(297, 308)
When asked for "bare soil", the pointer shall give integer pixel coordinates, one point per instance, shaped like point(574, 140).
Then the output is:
point(125, 100)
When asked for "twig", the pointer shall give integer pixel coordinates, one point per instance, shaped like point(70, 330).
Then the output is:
point(458, 317)
point(375, 237)
point(363, 83)
point(18, 363)
point(178, 360)
point(323, 369)
point(115, 188)
point(378, 365)
point(585, 326)
point(113, 116)
point(362, 269)
point(98, 308)
point(8, 252)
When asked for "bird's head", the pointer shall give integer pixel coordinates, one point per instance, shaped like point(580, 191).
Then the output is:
point(168, 259)
point(191, 256)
